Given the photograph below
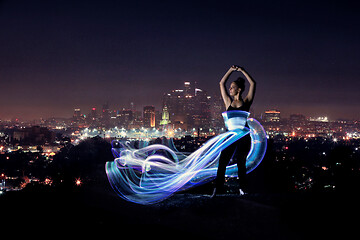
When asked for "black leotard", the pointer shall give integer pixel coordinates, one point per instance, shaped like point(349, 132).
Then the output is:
point(244, 107)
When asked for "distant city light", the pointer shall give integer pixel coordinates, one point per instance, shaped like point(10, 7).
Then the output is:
point(319, 119)
point(48, 181)
point(78, 182)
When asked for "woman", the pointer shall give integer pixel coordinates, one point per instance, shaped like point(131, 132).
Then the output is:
point(239, 149)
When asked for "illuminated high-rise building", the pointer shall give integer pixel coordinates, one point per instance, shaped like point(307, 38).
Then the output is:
point(165, 120)
point(132, 106)
point(149, 117)
point(77, 113)
point(216, 109)
point(188, 108)
point(93, 118)
point(272, 115)
point(93, 114)
point(105, 115)
point(124, 118)
point(201, 111)
point(180, 106)
point(175, 102)
point(187, 90)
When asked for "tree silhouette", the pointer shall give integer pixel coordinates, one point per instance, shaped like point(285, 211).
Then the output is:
point(85, 161)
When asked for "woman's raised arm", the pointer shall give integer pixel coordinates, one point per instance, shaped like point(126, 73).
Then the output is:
point(224, 93)
point(252, 88)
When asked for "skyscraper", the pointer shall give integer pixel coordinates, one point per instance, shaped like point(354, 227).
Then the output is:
point(77, 114)
point(165, 117)
point(93, 114)
point(201, 111)
point(272, 115)
point(175, 102)
point(188, 108)
point(105, 115)
point(124, 118)
point(149, 116)
point(216, 109)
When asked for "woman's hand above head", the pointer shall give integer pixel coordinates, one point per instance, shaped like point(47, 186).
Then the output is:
point(240, 69)
point(227, 74)
point(233, 68)
point(237, 68)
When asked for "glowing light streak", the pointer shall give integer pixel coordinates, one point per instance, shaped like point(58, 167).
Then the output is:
point(152, 173)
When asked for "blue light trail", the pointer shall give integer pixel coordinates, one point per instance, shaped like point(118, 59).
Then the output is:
point(155, 172)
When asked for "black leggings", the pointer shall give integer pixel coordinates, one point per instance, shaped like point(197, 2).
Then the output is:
point(238, 151)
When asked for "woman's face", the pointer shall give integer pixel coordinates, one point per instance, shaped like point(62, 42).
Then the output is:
point(234, 89)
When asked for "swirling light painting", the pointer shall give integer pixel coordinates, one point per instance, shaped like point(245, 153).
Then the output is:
point(154, 172)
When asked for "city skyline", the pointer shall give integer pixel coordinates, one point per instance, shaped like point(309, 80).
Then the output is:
point(60, 55)
point(89, 110)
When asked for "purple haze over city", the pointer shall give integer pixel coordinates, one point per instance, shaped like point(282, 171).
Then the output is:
point(59, 55)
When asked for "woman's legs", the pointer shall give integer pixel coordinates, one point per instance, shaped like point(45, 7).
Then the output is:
point(238, 150)
point(243, 149)
point(224, 160)
point(241, 164)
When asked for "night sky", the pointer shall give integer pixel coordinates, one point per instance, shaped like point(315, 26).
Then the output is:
point(59, 55)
